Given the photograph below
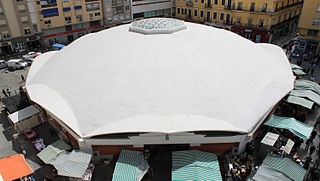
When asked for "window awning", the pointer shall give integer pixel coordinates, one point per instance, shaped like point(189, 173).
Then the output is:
point(285, 166)
point(195, 165)
point(131, 166)
point(300, 101)
point(296, 127)
point(307, 94)
point(307, 85)
point(72, 164)
point(14, 167)
point(298, 72)
point(51, 152)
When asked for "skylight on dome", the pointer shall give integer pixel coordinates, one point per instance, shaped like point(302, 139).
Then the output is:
point(157, 26)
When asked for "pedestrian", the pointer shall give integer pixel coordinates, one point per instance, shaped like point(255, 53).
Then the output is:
point(312, 149)
point(309, 142)
point(22, 78)
point(4, 93)
point(8, 92)
point(312, 78)
point(312, 71)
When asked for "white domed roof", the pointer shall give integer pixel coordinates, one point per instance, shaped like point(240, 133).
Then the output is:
point(197, 79)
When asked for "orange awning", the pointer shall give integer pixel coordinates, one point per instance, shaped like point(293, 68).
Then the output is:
point(14, 167)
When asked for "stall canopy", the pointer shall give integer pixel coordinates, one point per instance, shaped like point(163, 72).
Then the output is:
point(72, 164)
point(285, 166)
point(291, 124)
point(300, 101)
point(307, 94)
point(131, 166)
point(195, 165)
point(307, 85)
point(57, 46)
point(14, 167)
point(264, 173)
point(51, 152)
point(23, 114)
point(295, 66)
point(298, 72)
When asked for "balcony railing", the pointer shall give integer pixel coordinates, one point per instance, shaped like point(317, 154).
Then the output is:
point(189, 3)
point(289, 6)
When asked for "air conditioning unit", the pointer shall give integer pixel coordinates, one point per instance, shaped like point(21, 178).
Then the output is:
point(91, 17)
point(49, 25)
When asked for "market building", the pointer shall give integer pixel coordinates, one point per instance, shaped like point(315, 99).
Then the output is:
point(259, 21)
point(19, 28)
point(66, 20)
point(177, 87)
point(309, 27)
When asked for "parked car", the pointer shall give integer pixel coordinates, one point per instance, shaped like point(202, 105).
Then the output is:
point(3, 64)
point(16, 64)
point(29, 61)
point(30, 55)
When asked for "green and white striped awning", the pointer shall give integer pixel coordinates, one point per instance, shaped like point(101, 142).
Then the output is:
point(307, 85)
point(298, 72)
point(51, 152)
point(195, 165)
point(300, 101)
point(131, 166)
point(285, 166)
point(295, 66)
point(291, 124)
point(307, 94)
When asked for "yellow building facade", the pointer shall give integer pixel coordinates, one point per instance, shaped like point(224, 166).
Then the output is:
point(309, 35)
point(258, 20)
point(63, 21)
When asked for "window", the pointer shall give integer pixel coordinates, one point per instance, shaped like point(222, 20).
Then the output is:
point(67, 19)
point(78, 7)
point(5, 34)
point(48, 3)
point(69, 28)
point(24, 20)
point(67, 9)
point(215, 14)
point(127, 8)
point(252, 6)
point(47, 22)
point(202, 1)
point(21, 8)
point(316, 21)
point(264, 7)
point(285, 17)
point(97, 14)
point(238, 20)
point(261, 22)
point(178, 10)
point(35, 28)
point(184, 11)
point(65, 1)
point(239, 6)
point(215, 1)
point(222, 16)
point(19, 0)
point(92, 6)
point(195, 1)
point(312, 32)
point(279, 20)
point(1, 12)
point(249, 21)
point(195, 12)
point(79, 17)
point(223, 2)
point(50, 12)
point(27, 31)
point(201, 13)
point(318, 9)
point(3, 23)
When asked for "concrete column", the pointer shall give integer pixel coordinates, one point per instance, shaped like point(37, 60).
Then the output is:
point(242, 145)
point(83, 146)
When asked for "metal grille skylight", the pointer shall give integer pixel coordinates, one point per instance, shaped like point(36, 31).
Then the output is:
point(157, 26)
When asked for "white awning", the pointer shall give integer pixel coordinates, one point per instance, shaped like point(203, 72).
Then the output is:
point(23, 114)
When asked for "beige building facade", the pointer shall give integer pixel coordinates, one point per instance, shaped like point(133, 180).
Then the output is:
point(63, 21)
point(309, 27)
point(19, 28)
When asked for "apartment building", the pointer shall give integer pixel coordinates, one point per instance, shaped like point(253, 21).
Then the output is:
point(19, 28)
point(116, 12)
point(63, 21)
point(257, 20)
point(151, 8)
point(309, 35)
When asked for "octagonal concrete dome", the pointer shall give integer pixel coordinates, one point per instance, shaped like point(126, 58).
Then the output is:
point(198, 79)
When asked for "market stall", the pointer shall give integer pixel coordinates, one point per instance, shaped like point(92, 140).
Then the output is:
point(25, 119)
point(15, 167)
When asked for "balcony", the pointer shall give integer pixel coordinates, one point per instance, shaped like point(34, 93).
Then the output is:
point(117, 3)
point(289, 6)
point(243, 25)
point(208, 5)
point(189, 3)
